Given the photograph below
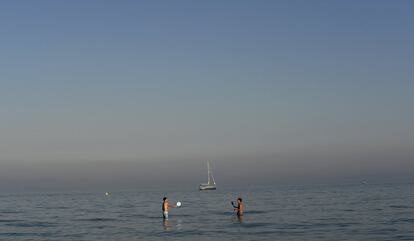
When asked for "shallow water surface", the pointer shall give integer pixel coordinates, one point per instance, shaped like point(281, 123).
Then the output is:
point(354, 212)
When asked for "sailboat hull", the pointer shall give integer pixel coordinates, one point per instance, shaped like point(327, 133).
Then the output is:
point(207, 187)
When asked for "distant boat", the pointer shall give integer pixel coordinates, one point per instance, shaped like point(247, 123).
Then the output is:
point(211, 183)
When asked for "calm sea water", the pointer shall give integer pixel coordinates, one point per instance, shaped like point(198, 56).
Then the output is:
point(355, 212)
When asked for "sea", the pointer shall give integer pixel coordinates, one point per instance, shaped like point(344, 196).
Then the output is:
point(313, 212)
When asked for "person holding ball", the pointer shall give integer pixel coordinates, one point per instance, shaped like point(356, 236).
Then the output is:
point(165, 207)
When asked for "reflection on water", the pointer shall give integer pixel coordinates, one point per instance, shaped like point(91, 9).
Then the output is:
point(175, 225)
point(179, 224)
point(166, 225)
point(237, 219)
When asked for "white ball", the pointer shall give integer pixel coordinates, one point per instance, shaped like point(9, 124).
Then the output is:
point(178, 204)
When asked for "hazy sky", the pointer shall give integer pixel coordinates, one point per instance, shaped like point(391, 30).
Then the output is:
point(127, 92)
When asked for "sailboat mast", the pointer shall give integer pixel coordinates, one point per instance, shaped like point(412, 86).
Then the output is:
point(208, 172)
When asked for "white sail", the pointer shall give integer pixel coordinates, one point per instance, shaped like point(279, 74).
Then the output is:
point(210, 175)
point(211, 183)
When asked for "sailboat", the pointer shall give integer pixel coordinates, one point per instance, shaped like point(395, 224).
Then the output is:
point(211, 184)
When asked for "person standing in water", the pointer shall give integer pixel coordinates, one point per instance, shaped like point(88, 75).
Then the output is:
point(165, 206)
point(239, 208)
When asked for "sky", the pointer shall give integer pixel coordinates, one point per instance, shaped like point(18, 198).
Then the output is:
point(132, 93)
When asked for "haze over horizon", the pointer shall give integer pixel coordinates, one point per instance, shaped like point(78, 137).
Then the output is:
point(135, 93)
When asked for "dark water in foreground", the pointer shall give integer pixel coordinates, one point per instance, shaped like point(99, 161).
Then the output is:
point(364, 212)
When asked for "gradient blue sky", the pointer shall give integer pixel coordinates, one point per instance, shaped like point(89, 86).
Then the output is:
point(270, 90)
